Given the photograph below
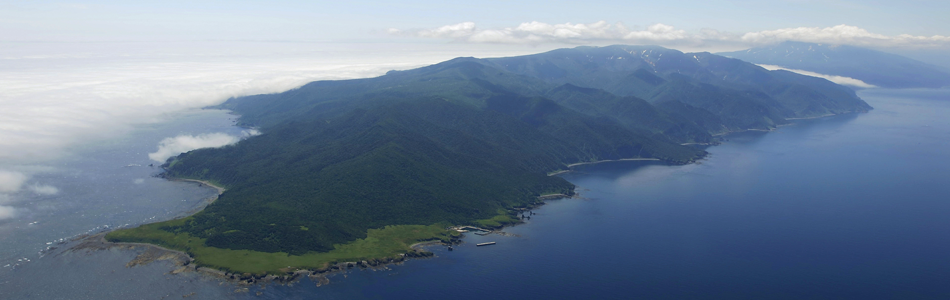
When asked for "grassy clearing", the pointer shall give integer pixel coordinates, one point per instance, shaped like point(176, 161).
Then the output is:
point(503, 218)
point(379, 243)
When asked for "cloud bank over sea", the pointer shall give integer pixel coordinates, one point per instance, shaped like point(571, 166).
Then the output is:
point(842, 80)
point(55, 97)
point(51, 101)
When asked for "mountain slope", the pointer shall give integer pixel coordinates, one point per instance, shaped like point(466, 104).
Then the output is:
point(363, 170)
point(463, 80)
point(451, 143)
point(634, 113)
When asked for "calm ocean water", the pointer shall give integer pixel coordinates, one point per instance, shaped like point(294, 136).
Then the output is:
point(846, 207)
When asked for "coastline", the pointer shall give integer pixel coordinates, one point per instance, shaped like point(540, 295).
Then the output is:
point(714, 143)
point(318, 274)
point(185, 262)
point(151, 254)
point(98, 241)
point(418, 246)
point(747, 130)
point(599, 161)
point(704, 144)
point(610, 160)
point(782, 125)
point(815, 117)
point(220, 189)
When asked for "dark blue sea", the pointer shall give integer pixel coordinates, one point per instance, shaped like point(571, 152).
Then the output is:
point(847, 207)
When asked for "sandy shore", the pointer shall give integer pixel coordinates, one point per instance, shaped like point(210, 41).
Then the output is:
point(596, 162)
point(220, 189)
point(815, 117)
point(609, 160)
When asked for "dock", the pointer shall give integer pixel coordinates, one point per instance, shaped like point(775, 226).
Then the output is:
point(484, 244)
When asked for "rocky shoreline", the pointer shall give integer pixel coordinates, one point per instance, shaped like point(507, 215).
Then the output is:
point(184, 262)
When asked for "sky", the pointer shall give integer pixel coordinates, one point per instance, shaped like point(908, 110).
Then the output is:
point(366, 20)
point(75, 72)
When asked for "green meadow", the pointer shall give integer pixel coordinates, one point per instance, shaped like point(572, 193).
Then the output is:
point(389, 241)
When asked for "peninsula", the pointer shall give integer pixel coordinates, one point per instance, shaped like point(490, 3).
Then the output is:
point(355, 170)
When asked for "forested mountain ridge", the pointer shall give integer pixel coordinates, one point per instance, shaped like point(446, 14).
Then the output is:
point(742, 95)
point(471, 139)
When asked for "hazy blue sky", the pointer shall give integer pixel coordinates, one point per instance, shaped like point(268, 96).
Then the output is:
point(369, 20)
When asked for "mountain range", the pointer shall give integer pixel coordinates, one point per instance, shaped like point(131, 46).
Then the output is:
point(874, 67)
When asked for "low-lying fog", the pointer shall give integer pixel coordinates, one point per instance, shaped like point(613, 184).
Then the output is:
point(54, 96)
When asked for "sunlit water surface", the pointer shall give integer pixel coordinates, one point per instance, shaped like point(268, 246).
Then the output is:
point(846, 207)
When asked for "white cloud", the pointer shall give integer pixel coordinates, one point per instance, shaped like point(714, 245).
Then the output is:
point(538, 32)
point(44, 189)
point(250, 132)
point(183, 143)
point(658, 32)
point(833, 78)
point(662, 34)
point(835, 34)
point(11, 182)
point(449, 31)
point(842, 35)
point(138, 181)
point(7, 212)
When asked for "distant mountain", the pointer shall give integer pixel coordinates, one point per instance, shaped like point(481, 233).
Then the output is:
point(723, 94)
point(470, 139)
point(873, 67)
